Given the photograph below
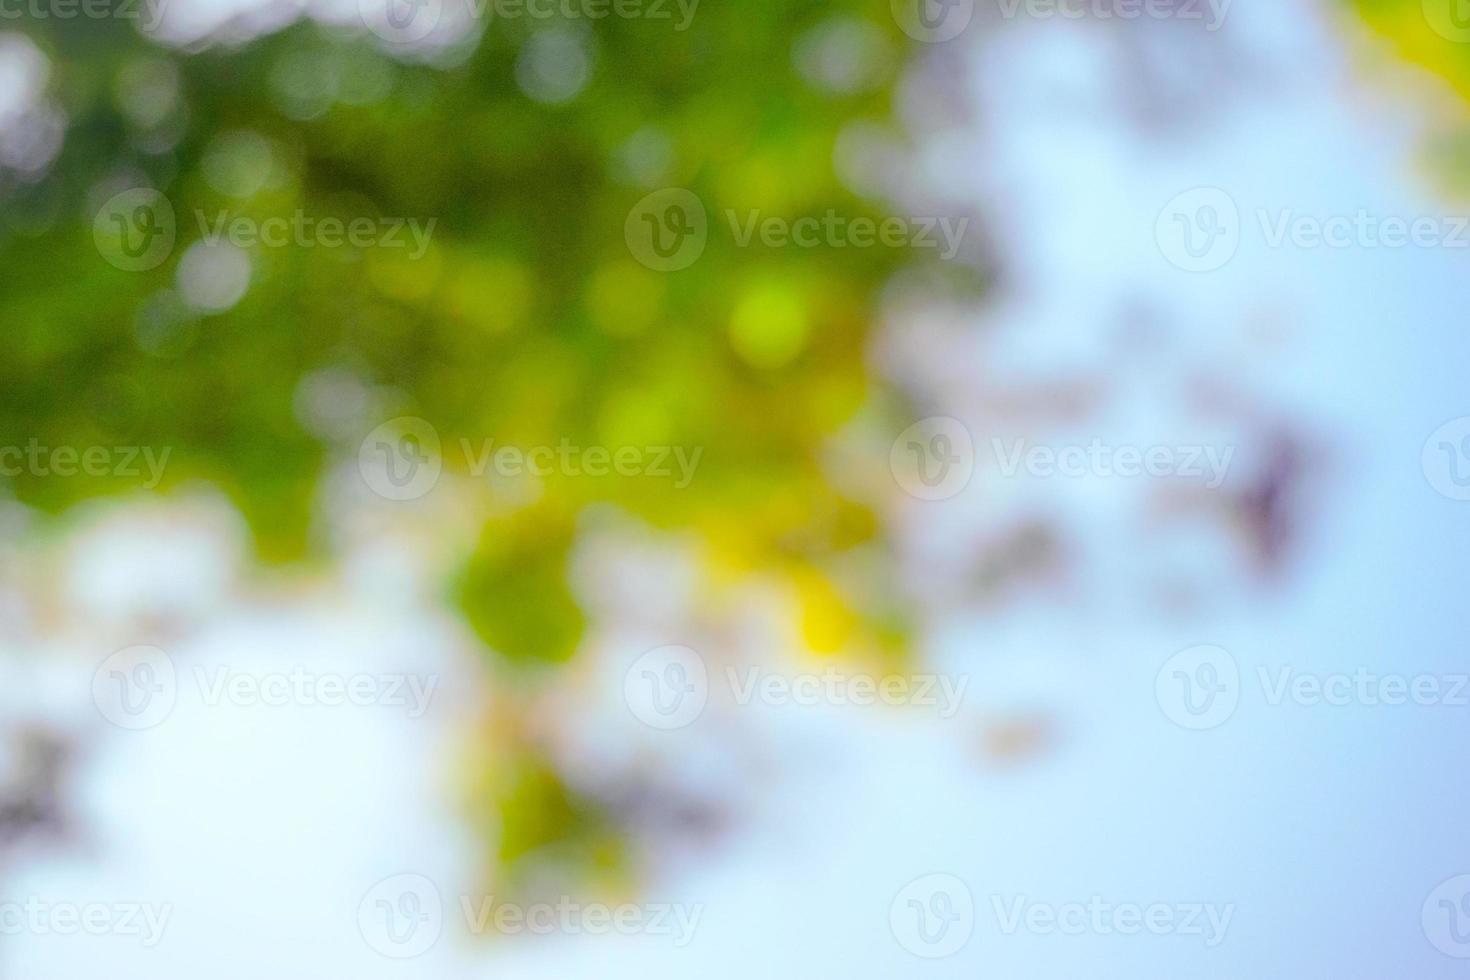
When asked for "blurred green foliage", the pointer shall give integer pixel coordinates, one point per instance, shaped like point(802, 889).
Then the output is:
point(528, 320)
